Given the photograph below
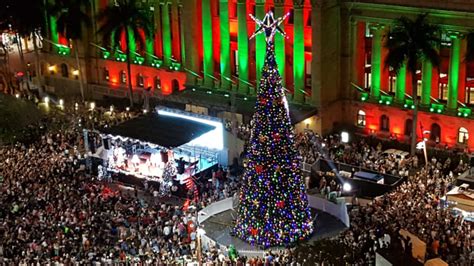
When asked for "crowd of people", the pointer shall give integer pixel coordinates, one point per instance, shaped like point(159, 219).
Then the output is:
point(414, 206)
point(51, 209)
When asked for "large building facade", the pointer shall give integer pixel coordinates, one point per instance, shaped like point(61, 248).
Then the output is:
point(332, 63)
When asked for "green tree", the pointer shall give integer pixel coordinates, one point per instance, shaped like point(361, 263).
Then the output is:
point(71, 18)
point(127, 18)
point(409, 42)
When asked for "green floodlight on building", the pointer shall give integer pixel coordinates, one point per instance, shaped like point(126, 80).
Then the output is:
point(120, 56)
point(156, 63)
point(105, 54)
point(464, 111)
point(175, 66)
point(436, 108)
point(364, 96)
point(409, 104)
point(386, 99)
point(139, 60)
point(63, 49)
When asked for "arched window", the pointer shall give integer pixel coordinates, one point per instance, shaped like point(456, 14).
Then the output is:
point(106, 74)
point(408, 127)
point(435, 133)
point(123, 77)
point(463, 135)
point(384, 123)
point(140, 80)
point(64, 71)
point(361, 118)
point(175, 85)
point(157, 83)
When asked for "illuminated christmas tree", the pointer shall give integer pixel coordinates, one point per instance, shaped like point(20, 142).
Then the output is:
point(273, 207)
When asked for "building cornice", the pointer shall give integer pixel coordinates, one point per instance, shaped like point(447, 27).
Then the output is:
point(386, 14)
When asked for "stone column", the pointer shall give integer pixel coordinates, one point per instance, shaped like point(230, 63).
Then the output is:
point(376, 60)
point(316, 49)
point(298, 51)
point(243, 46)
point(225, 44)
point(208, 60)
point(401, 84)
point(426, 77)
point(190, 35)
point(260, 44)
point(280, 41)
point(166, 32)
point(158, 39)
point(176, 31)
point(453, 75)
point(358, 52)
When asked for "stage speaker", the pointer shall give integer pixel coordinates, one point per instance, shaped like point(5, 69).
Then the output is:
point(106, 143)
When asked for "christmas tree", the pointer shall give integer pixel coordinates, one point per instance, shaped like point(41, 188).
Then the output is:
point(273, 207)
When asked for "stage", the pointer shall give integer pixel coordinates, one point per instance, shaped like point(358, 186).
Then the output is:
point(166, 148)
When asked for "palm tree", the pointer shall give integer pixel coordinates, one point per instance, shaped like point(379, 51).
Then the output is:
point(125, 17)
point(71, 18)
point(409, 43)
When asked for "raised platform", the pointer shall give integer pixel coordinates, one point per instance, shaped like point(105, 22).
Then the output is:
point(219, 226)
point(217, 220)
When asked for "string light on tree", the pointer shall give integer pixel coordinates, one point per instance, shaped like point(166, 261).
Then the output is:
point(273, 207)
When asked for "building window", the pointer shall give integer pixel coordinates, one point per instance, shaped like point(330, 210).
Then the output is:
point(64, 71)
point(140, 80)
point(463, 135)
point(308, 74)
point(123, 77)
point(368, 80)
point(384, 123)
point(435, 133)
point(361, 118)
point(470, 95)
point(408, 127)
point(392, 83)
point(419, 88)
point(175, 85)
point(157, 83)
point(236, 63)
point(443, 91)
point(106, 74)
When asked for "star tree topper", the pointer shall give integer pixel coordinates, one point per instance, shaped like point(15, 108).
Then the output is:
point(269, 25)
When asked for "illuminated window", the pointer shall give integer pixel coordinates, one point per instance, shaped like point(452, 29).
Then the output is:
point(157, 83)
point(106, 74)
point(470, 95)
point(435, 133)
point(123, 77)
point(236, 62)
point(392, 83)
point(361, 118)
point(140, 80)
point(384, 123)
point(408, 127)
point(418, 88)
point(64, 71)
point(463, 135)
